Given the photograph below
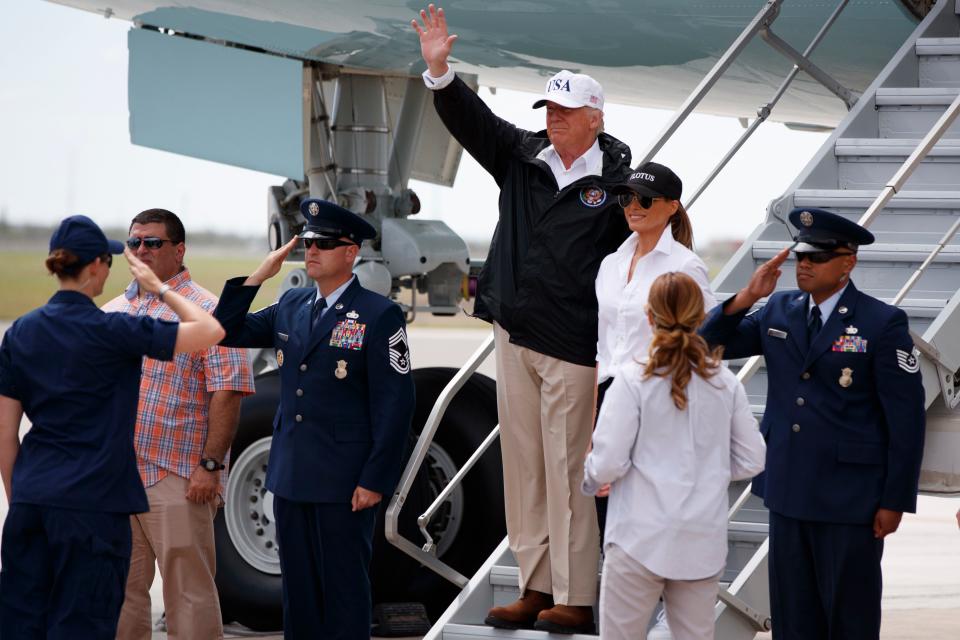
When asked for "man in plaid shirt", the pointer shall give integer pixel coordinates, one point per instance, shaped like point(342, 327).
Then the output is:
point(186, 419)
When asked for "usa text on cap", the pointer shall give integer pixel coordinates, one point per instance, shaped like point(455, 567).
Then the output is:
point(822, 230)
point(572, 90)
point(328, 220)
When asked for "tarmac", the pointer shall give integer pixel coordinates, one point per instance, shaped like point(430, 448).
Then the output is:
point(921, 562)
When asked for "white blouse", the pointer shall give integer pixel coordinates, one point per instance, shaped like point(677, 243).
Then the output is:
point(670, 468)
point(624, 334)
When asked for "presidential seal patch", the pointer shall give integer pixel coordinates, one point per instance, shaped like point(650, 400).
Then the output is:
point(593, 196)
point(399, 352)
point(909, 362)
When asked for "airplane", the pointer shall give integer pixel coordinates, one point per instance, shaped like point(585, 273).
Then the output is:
point(328, 94)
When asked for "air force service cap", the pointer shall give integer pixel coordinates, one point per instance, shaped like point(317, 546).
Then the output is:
point(572, 90)
point(821, 230)
point(652, 180)
point(327, 220)
point(83, 238)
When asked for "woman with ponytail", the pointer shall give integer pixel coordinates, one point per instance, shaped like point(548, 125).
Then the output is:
point(674, 430)
point(74, 371)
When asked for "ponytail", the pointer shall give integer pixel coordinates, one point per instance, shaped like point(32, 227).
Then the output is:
point(681, 228)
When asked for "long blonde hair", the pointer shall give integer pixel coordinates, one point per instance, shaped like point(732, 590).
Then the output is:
point(677, 351)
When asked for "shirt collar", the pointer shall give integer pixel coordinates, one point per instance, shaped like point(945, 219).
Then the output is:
point(592, 159)
point(333, 297)
point(664, 244)
point(182, 277)
point(828, 305)
point(66, 296)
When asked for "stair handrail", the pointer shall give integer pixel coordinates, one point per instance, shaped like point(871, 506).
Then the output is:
point(425, 555)
point(893, 186)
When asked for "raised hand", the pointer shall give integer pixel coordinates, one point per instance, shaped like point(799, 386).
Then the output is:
point(272, 263)
point(762, 284)
point(146, 279)
point(435, 41)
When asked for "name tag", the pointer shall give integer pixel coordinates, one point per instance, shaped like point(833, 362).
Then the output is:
point(776, 333)
point(348, 334)
point(283, 336)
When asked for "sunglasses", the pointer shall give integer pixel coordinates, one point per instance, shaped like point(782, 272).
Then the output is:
point(821, 257)
point(645, 202)
point(150, 243)
point(107, 259)
point(326, 244)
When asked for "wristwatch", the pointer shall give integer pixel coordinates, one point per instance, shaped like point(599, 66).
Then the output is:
point(163, 289)
point(211, 465)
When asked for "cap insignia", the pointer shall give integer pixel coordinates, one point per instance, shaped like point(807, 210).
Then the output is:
point(314, 209)
point(806, 218)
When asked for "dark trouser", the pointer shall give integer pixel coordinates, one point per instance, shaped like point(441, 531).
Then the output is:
point(602, 502)
point(325, 559)
point(825, 580)
point(63, 573)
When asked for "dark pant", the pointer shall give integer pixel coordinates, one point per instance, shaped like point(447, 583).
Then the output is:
point(63, 573)
point(325, 559)
point(825, 580)
point(602, 502)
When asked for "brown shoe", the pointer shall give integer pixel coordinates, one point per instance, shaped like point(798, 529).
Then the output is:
point(566, 619)
point(522, 613)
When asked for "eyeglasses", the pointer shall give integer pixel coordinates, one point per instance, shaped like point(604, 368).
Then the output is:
point(150, 243)
point(107, 259)
point(821, 257)
point(645, 202)
point(325, 244)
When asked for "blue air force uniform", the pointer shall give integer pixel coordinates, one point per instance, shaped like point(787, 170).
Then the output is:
point(844, 426)
point(346, 405)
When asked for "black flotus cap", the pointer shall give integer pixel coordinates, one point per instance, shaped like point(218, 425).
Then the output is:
point(653, 180)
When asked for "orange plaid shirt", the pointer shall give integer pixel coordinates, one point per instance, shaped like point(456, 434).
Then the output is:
point(175, 396)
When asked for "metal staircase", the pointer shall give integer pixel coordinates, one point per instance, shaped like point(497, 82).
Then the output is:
point(884, 147)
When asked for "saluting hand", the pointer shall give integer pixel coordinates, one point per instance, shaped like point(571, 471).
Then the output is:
point(146, 279)
point(762, 284)
point(271, 264)
point(435, 41)
point(364, 499)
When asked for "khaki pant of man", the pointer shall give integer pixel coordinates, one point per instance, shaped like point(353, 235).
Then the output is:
point(546, 421)
point(629, 593)
point(178, 535)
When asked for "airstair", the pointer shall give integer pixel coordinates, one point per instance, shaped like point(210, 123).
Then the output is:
point(893, 164)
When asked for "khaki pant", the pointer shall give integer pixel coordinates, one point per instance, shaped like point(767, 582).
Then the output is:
point(546, 420)
point(178, 536)
point(629, 593)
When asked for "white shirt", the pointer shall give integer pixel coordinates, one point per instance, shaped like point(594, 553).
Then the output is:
point(827, 306)
point(334, 295)
point(670, 468)
point(589, 164)
point(623, 332)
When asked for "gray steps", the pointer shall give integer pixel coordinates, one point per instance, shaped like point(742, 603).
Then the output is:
point(457, 631)
point(939, 62)
point(911, 112)
point(868, 163)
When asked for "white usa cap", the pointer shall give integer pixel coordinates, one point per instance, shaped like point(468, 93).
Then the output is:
point(572, 90)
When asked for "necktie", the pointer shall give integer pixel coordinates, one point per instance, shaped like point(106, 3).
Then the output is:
point(815, 324)
point(318, 308)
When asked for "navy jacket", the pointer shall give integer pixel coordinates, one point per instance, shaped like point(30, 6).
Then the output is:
point(346, 392)
point(844, 419)
point(76, 372)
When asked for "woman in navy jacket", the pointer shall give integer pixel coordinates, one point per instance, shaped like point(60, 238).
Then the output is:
point(72, 483)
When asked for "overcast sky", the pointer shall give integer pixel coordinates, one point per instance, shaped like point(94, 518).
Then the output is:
point(64, 145)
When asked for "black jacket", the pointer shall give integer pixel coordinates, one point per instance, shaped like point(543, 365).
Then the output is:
point(538, 279)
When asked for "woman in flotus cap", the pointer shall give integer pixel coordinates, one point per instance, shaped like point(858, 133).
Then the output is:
point(72, 483)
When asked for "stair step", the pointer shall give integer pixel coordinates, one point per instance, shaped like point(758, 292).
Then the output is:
point(899, 252)
point(863, 198)
point(455, 631)
point(866, 163)
point(912, 112)
point(939, 62)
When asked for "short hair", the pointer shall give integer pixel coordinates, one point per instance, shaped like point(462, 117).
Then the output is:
point(175, 231)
